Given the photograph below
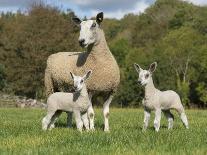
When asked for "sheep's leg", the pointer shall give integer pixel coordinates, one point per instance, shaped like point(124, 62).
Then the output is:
point(85, 121)
point(157, 119)
point(106, 112)
point(46, 120)
point(54, 118)
point(91, 113)
point(170, 118)
point(49, 88)
point(146, 119)
point(79, 122)
point(69, 119)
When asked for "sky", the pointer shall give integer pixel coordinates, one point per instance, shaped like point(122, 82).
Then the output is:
point(111, 8)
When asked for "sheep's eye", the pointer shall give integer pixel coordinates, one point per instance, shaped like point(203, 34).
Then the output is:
point(93, 25)
point(81, 81)
point(146, 76)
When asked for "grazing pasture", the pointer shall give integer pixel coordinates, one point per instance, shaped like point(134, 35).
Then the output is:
point(21, 133)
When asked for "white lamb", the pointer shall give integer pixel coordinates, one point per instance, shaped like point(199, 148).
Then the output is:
point(77, 102)
point(158, 100)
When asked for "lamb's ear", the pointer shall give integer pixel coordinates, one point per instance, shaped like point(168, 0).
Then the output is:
point(153, 67)
point(99, 17)
point(137, 67)
point(87, 74)
point(71, 74)
point(76, 20)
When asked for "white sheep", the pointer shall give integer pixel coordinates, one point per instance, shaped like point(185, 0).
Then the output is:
point(98, 57)
point(158, 100)
point(77, 102)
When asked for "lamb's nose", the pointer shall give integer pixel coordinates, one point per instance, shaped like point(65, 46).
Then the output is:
point(81, 42)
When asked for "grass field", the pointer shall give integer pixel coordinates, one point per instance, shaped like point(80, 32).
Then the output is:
point(20, 133)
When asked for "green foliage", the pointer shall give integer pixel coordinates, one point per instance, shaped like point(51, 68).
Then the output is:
point(27, 41)
point(171, 32)
point(2, 77)
point(202, 92)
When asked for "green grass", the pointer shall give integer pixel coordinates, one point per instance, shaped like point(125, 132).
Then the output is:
point(20, 133)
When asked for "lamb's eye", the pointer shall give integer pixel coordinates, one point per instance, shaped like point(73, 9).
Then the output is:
point(93, 25)
point(81, 81)
point(146, 76)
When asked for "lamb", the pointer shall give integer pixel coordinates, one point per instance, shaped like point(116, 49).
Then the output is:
point(106, 74)
point(158, 100)
point(77, 102)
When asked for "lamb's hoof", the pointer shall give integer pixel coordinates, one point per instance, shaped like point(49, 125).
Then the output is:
point(44, 128)
point(170, 128)
point(92, 129)
point(52, 126)
point(80, 130)
point(157, 130)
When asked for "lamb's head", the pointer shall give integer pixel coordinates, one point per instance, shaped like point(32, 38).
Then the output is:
point(145, 75)
point(89, 30)
point(78, 81)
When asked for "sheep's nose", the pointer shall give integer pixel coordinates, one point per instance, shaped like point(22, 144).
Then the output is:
point(81, 42)
point(139, 82)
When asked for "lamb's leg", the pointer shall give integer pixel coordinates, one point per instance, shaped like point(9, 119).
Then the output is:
point(170, 118)
point(79, 122)
point(184, 119)
point(91, 113)
point(46, 120)
point(69, 119)
point(183, 116)
point(106, 112)
point(157, 119)
point(54, 118)
point(146, 119)
point(85, 121)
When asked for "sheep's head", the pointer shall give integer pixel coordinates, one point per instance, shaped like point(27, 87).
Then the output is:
point(78, 81)
point(89, 30)
point(145, 75)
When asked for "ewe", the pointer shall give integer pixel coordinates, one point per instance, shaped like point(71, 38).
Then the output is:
point(97, 57)
point(158, 100)
point(77, 102)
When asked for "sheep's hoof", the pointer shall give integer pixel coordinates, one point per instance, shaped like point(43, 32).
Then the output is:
point(107, 130)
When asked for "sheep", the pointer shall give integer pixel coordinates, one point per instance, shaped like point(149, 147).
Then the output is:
point(77, 102)
point(158, 100)
point(106, 74)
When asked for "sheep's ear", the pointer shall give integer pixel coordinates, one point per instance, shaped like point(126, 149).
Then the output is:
point(76, 20)
point(153, 67)
point(71, 74)
point(87, 75)
point(137, 67)
point(99, 17)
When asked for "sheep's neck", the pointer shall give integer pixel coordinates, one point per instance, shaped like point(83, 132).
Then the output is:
point(149, 89)
point(100, 48)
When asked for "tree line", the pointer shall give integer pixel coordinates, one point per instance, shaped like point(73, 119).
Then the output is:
point(171, 32)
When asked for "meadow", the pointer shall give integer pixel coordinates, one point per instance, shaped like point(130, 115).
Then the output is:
point(20, 133)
